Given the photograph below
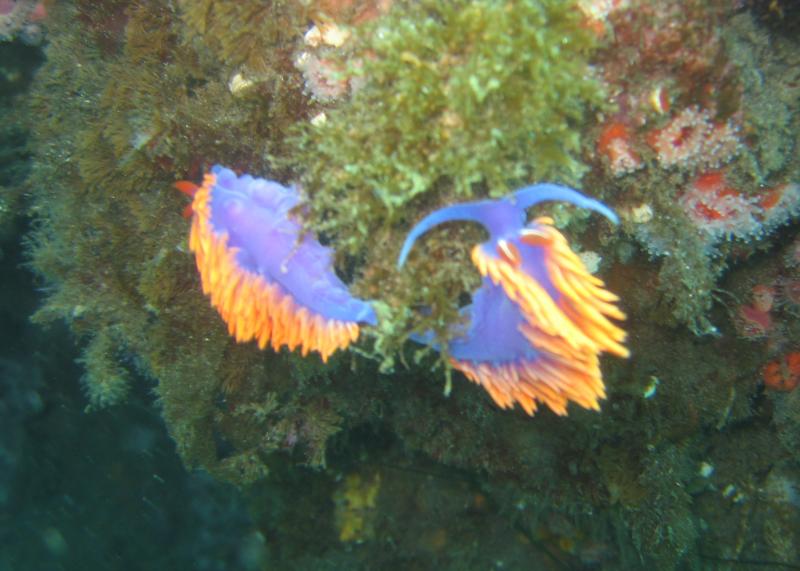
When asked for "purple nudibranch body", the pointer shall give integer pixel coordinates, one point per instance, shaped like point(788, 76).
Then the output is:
point(539, 320)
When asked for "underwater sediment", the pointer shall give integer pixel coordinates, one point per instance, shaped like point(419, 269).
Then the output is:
point(682, 119)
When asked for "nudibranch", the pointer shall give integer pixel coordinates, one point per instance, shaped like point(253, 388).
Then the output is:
point(268, 279)
point(539, 320)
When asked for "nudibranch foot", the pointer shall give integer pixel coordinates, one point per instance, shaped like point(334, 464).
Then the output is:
point(268, 281)
point(540, 320)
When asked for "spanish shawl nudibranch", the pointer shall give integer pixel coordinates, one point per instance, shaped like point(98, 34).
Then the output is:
point(539, 320)
point(268, 281)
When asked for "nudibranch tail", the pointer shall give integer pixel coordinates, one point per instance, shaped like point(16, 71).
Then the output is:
point(540, 320)
point(259, 279)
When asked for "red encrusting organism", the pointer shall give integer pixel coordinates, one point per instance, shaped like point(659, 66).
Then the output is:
point(752, 322)
point(718, 209)
point(614, 143)
point(782, 374)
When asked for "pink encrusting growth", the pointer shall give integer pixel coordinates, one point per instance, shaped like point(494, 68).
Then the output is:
point(616, 146)
point(779, 205)
point(720, 210)
point(692, 139)
point(324, 78)
point(752, 322)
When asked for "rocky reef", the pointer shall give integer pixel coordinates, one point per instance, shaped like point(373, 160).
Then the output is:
point(683, 118)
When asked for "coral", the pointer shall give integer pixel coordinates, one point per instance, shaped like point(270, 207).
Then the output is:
point(779, 205)
point(323, 80)
point(691, 139)
point(676, 130)
point(326, 79)
point(687, 128)
point(717, 209)
point(614, 143)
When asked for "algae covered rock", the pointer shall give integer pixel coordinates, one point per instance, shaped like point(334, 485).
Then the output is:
point(454, 99)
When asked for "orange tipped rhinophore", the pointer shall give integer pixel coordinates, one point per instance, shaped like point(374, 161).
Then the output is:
point(268, 282)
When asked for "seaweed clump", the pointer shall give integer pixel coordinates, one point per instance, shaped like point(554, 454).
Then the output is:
point(155, 104)
point(450, 100)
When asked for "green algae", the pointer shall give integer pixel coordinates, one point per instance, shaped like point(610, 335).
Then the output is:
point(454, 100)
point(111, 235)
point(450, 102)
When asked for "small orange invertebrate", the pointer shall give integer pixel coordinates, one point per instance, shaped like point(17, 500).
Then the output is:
point(614, 143)
point(782, 374)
